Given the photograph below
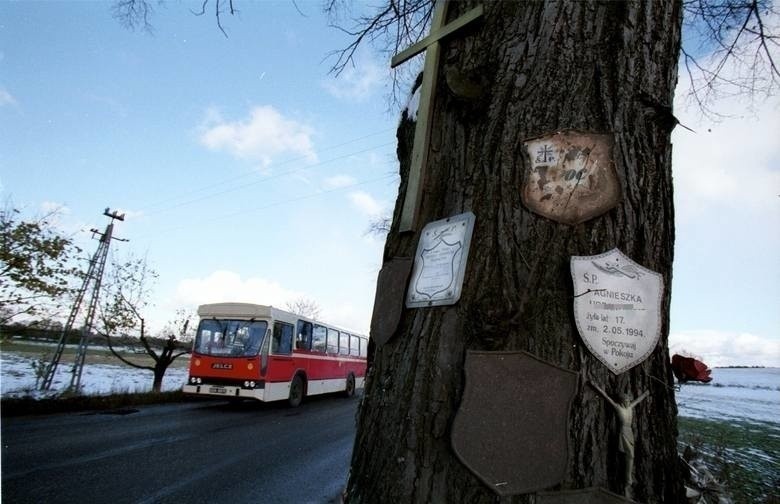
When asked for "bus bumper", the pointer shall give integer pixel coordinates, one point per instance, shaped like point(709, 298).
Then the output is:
point(226, 391)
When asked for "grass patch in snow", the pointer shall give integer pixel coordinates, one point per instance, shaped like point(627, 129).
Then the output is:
point(743, 455)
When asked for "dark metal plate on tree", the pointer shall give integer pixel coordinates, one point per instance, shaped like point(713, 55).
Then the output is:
point(511, 429)
point(389, 298)
point(617, 307)
point(592, 495)
point(572, 176)
point(440, 262)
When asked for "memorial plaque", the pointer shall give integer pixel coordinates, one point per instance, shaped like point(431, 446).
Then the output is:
point(440, 262)
point(511, 429)
point(389, 298)
point(592, 495)
point(617, 307)
point(572, 176)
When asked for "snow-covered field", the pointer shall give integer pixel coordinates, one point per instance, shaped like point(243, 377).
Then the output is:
point(17, 377)
point(751, 394)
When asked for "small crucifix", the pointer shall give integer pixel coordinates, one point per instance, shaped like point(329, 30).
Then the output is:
point(432, 45)
point(625, 413)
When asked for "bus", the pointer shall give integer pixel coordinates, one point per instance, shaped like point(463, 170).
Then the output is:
point(250, 351)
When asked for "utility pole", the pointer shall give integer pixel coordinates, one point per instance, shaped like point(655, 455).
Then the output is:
point(92, 281)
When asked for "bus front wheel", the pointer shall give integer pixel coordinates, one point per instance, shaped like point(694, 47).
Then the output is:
point(296, 392)
point(350, 390)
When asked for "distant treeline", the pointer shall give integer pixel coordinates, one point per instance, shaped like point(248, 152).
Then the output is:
point(53, 334)
point(740, 367)
point(36, 332)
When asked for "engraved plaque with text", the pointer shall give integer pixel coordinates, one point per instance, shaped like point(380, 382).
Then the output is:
point(440, 262)
point(617, 307)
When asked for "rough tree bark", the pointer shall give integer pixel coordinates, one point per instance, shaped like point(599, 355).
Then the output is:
point(544, 66)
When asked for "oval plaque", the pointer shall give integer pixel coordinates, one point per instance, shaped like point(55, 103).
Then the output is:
point(617, 307)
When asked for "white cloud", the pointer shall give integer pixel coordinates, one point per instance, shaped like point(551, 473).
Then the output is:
point(359, 82)
point(227, 286)
point(731, 163)
point(6, 98)
point(718, 348)
point(338, 181)
point(366, 203)
point(264, 135)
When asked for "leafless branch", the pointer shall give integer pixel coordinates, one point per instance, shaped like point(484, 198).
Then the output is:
point(133, 14)
point(731, 49)
point(395, 26)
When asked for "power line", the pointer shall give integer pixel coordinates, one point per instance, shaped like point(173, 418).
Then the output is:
point(264, 179)
point(278, 203)
point(254, 172)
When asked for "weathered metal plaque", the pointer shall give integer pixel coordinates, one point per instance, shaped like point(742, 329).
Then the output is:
point(389, 298)
point(572, 176)
point(592, 495)
point(617, 307)
point(440, 262)
point(511, 429)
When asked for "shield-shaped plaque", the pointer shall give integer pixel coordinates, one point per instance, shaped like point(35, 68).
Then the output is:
point(389, 298)
point(617, 307)
point(511, 429)
point(572, 176)
point(593, 495)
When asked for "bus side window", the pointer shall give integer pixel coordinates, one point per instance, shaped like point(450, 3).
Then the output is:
point(283, 336)
point(344, 344)
point(319, 336)
point(303, 340)
point(333, 341)
point(364, 347)
point(354, 345)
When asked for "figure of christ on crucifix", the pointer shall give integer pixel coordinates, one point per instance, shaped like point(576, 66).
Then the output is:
point(431, 45)
point(625, 414)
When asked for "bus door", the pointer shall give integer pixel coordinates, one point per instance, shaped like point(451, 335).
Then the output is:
point(281, 365)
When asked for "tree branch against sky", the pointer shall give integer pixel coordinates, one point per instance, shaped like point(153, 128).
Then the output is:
point(729, 46)
point(35, 263)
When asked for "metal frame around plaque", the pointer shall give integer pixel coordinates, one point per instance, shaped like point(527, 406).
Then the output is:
point(438, 280)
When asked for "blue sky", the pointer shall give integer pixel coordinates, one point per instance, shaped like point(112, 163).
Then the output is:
point(247, 172)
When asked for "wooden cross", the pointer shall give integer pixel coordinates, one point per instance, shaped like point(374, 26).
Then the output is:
point(430, 44)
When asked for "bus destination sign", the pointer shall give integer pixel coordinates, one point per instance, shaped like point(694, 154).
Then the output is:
point(617, 307)
point(440, 262)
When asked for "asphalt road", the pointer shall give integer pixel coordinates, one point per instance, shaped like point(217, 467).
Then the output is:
point(209, 452)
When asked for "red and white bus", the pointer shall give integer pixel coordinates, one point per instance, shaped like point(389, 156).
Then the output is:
point(249, 351)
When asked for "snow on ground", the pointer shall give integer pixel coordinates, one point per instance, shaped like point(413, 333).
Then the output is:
point(17, 378)
point(751, 394)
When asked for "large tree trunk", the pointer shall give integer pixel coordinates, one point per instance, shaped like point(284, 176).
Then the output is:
point(605, 67)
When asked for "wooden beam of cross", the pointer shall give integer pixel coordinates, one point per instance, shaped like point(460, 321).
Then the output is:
point(430, 44)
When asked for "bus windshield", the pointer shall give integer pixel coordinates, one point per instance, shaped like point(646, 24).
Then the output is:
point(231, 338)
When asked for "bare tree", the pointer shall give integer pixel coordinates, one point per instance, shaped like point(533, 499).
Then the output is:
point(594, 66)
point(305, 307)
point(127, 295)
